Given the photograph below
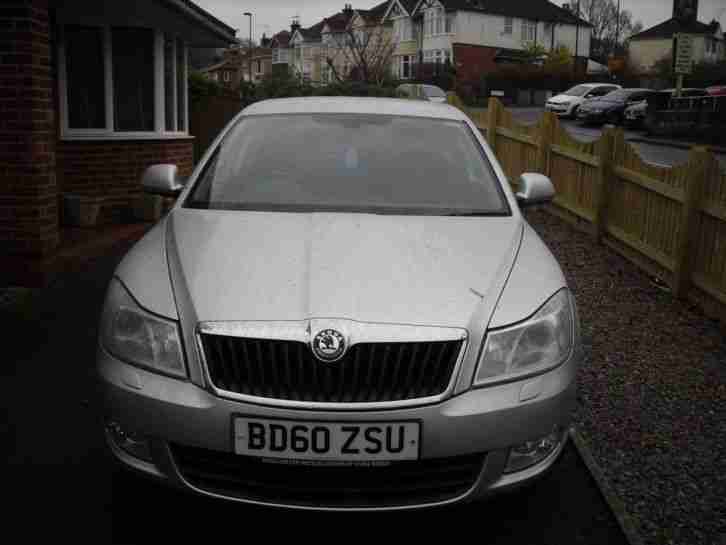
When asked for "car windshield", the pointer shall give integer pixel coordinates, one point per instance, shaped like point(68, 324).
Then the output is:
point(350, 163)
point(577, 91)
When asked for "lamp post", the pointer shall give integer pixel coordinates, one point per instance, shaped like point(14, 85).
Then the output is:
point(249, 46)
point(617, 31)
point(577, 39)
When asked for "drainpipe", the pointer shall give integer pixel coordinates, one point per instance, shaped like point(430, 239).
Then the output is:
point(577, 39)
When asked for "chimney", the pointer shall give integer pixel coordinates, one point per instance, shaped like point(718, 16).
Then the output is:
point(348, 9)
point(295, 24)
point(567, 7)
point(685, 10)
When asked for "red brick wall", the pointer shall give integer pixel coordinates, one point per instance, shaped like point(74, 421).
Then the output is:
point(474, 61)
point(113, 169)
point(28, 191)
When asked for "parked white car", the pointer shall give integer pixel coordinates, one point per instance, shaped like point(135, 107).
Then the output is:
point(566, 104)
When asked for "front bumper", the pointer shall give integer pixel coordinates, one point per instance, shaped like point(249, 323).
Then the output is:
point(559, 109)
point(632, 120)
point(488, 420)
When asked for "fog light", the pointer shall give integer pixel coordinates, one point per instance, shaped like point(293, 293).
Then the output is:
point(530, 453)
point(129, 441)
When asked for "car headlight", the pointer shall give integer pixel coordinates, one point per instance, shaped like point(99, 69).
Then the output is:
point(538, 344)
point(138, 337)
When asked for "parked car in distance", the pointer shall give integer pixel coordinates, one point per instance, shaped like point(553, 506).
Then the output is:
point(635, 115)
point(339, 312)
point(611, 107)
point(716, 90)
point(420, 91)
point(566, 104)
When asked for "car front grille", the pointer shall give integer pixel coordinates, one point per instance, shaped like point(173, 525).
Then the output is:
point(397, 484)
point(367, 373)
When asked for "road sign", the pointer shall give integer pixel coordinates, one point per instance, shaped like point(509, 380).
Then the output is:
point(684, 54)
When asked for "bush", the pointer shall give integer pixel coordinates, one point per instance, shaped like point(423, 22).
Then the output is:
point(283, 85)
point(704, 74)
point(201, 87)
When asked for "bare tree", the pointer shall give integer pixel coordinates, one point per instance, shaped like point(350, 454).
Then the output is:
point(367, 51)
point(607, 36)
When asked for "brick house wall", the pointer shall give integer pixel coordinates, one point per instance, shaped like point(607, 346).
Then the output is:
point(28, 186)
point(113, 169)
point(474, 61)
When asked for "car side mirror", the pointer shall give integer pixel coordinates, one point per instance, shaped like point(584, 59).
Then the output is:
point(534, 189)
point(162, 180)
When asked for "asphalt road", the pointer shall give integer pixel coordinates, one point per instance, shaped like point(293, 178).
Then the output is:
point(61, 486)
point(657, 154)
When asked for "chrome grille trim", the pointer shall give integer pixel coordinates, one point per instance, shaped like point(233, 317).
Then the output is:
point(356, 333)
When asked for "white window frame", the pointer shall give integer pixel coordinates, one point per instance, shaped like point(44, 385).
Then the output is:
point(529, 31)
point(227, 76)
point(108, 133)
point(508, 26)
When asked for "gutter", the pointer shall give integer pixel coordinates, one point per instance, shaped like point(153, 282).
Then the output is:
point(206, 19)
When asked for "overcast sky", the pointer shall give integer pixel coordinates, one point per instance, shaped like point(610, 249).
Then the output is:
point(271, 16)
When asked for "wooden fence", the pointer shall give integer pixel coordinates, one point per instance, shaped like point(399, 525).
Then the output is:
point(209, 116)
point(671, 222)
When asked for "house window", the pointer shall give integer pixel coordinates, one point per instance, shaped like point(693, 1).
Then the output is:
point(169, 83)
point(85, 70)
point(404, 29)
point(508, 25)
point(121, 82)
point(181, 86)
point(405, 67)
point(440, 18)
point(259, 66)
point(451, 23)
point(529, 31)
point(133, 79)
point(428, 23)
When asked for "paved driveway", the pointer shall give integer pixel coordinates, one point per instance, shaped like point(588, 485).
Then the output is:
point(63, 487)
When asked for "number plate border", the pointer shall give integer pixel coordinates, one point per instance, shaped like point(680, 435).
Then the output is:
point(418, 421)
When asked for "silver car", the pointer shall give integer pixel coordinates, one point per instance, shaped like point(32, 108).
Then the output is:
point(345, 309)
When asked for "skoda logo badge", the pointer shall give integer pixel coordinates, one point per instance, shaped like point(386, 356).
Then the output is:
point(329, 345)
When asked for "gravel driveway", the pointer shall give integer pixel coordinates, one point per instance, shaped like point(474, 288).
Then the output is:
point(652, 393)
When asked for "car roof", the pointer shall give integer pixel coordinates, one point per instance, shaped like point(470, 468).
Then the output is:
point(597, 85)
point(355, 105)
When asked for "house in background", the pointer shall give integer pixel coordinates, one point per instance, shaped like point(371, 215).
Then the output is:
point(94, 91)
point(281, 52)
point(406, 37)
point(307, 46)
point(656, 43)
point(260, 59)
point(336, 37)
point(475, 35)
point(226, 73)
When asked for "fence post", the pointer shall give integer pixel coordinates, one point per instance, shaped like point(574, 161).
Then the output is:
point(493, 115)
point(546, 129)
point(699, 164)
point(610, 142)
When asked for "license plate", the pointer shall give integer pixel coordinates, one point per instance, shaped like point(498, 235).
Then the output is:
point(347, 442)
